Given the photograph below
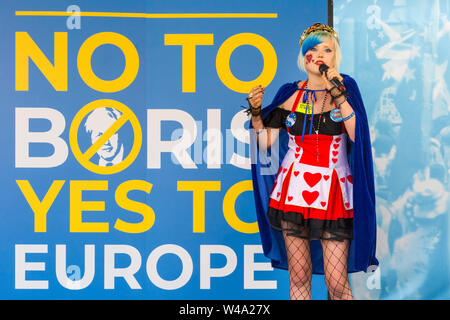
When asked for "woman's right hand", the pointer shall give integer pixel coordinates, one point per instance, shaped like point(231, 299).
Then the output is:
point(255, 96)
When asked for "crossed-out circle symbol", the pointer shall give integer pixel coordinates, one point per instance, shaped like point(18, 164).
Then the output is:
point(127, 115)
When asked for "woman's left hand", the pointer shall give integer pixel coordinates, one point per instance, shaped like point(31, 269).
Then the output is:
point(330, 74)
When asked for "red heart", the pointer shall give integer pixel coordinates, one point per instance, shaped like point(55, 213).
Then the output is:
point(335, 153)
point(284, 170)
point(290, 198)
point(334, 160)
point(343, 179)
point(310, 197)
point(335, 146)
point(338, 139)
point(312, 179)
point(326, 177)
point(350, 179)
point(296, 155)
point(323, 203)
point(297, 149)
point(347, 204)
point(308, 58)
point(278, 194)
point(296, 173)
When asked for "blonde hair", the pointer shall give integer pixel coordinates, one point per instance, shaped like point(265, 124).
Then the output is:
point(312, 40)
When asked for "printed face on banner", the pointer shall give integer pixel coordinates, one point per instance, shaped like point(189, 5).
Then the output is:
point(97, 123)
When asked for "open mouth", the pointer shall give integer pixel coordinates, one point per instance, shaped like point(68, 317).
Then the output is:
point(319, 62)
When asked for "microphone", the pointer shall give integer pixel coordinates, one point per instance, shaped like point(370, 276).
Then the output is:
point(335, 81)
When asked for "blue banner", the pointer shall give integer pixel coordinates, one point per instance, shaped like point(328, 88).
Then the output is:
point(125, 164)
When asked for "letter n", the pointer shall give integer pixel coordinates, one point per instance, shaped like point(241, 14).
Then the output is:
point(55, 73)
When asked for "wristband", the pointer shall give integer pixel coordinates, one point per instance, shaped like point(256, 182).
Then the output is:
point(331, 90)
point(339, 105)
point(348, 117)
point(257, 112)
point(249, 111)
point(343, 93)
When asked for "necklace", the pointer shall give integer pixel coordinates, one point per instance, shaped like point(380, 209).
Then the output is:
point(318, 124)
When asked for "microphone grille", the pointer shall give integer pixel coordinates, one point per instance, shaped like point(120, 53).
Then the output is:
point(323, 68)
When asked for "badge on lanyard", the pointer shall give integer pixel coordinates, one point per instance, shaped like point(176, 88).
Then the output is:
point(336, 115)
point(290, 120)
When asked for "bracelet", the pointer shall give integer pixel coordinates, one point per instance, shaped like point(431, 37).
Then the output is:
point(249, 111)
point(343, 93)
point(348, 117)
point(331, 90)
point(339, 105)
point(257, 112)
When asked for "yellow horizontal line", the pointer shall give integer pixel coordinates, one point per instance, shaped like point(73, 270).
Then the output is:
point(147, 15)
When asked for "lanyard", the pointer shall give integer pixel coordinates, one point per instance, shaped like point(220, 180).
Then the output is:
point(290, 120)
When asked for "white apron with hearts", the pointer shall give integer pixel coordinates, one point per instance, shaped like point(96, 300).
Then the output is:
point(304, 179)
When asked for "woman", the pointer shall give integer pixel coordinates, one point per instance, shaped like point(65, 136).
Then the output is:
point(317, 213)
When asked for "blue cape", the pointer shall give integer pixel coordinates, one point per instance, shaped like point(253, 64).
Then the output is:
point(362, 247)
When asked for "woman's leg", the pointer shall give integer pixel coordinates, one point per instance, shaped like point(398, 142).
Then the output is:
point(335, 254)
point(299, 263)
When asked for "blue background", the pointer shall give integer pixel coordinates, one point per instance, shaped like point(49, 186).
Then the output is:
point(398, 52)
point(399, 62)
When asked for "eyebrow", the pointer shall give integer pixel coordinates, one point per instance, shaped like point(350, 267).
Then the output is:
point(325, 46)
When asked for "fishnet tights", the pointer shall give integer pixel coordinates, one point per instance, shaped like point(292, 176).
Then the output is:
point(335, 254)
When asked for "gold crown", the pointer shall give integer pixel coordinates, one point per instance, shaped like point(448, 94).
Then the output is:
point(318, 27)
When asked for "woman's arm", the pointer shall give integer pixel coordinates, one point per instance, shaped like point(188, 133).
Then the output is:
point(347, 112)
point(265, 135)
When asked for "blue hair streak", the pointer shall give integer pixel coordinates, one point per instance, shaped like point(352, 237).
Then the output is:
point(313, 40)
